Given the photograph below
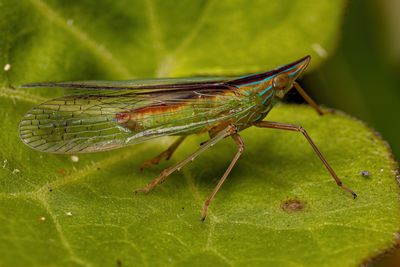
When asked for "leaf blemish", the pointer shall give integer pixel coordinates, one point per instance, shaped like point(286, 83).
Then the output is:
point(365, 173)
point(293, 205)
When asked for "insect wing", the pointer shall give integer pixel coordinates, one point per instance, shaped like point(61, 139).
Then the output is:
point(70, 124)
point(96, 119)
point(135, 86)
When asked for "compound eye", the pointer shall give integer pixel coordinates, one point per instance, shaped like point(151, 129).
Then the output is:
point(281, 81)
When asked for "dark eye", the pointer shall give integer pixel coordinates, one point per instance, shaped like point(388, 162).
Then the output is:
point(281, 81)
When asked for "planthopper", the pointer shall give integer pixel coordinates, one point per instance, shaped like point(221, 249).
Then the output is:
point(101, 115)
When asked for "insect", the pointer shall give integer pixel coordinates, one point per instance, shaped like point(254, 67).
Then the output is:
point(99, 115)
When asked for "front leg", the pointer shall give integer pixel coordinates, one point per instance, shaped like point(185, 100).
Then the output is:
point(291, 127)
point(307, 98)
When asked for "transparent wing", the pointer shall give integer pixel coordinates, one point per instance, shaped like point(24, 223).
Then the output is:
point(98, 120)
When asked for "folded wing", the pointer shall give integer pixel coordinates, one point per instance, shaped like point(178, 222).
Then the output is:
point(102, 116)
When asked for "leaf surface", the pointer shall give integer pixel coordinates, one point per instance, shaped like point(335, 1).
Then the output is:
point(64, 40)
point(56, 212)
point(92, 217)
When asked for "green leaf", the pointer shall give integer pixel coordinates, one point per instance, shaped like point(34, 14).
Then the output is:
point(55, 211)
point(92, 217)
point(63, 40)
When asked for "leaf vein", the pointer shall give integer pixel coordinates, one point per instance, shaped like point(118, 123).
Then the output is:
point(99, 50)
point(21, 95)
point(169, 63)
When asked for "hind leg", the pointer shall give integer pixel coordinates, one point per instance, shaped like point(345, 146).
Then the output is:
point(231, 129)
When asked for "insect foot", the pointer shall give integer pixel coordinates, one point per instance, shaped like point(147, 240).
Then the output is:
point(144, 165)
point(146, 188)
point(161, 178)
point(154, 161)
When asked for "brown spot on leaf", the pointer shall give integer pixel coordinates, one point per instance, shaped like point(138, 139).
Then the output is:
point(293, 205)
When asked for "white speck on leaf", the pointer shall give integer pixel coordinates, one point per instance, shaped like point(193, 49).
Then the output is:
point(319, 50)
point(7, 67)
point(70, 22)
point(68, 213)
point(74, 158)
point(16, 171)
point(381, 170)
point(4, 163)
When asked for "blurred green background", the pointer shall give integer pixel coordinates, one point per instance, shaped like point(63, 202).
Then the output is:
point(362, 76)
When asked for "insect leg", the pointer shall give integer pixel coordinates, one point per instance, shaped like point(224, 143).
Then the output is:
point(291, 127)
point(240, 144)
point(231, 129)
point(165, 154)
point(307, 98)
